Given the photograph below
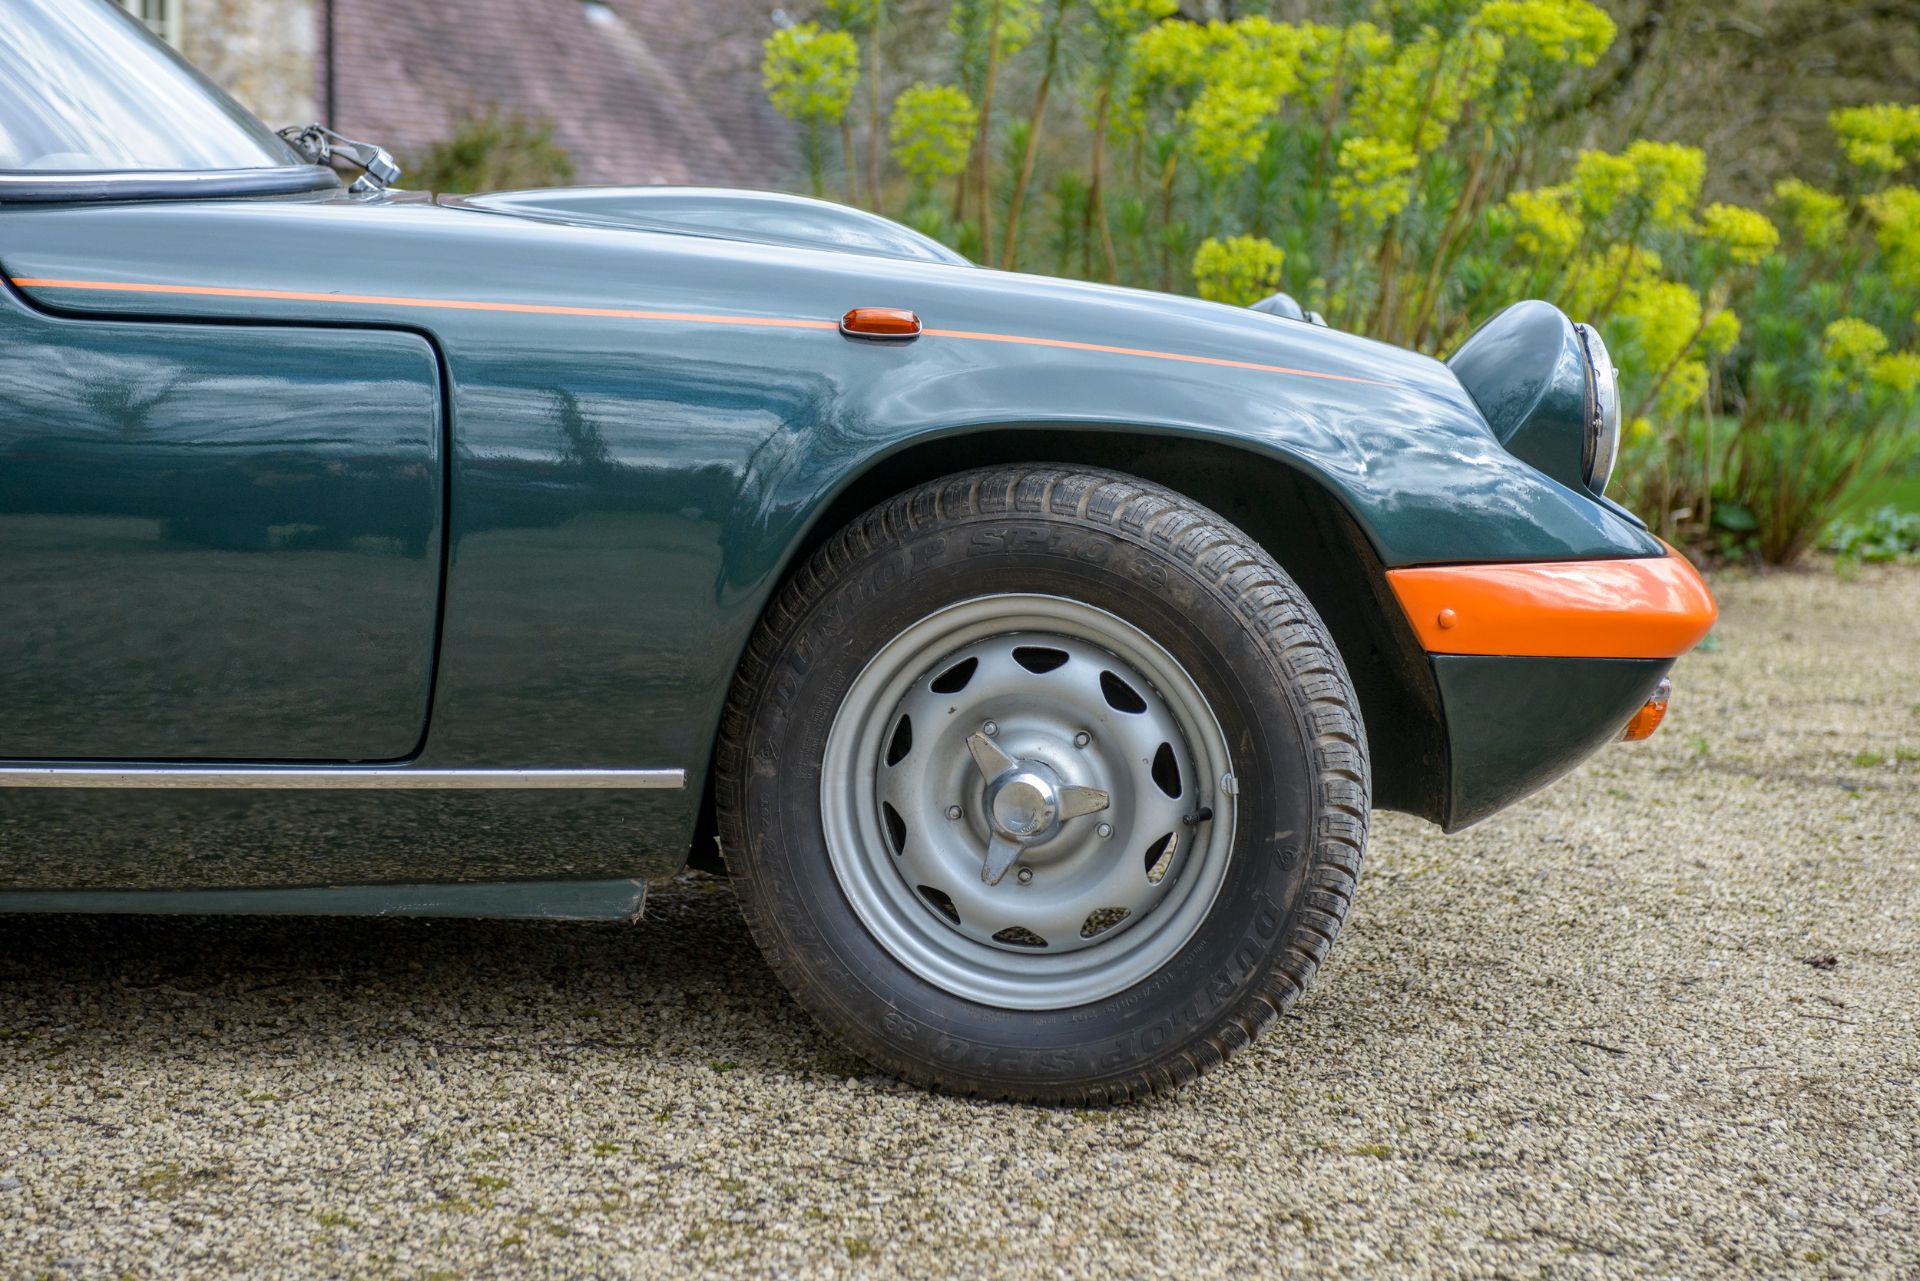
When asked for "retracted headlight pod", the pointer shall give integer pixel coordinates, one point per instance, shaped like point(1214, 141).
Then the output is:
point(1603, 411)
point(1548, 389)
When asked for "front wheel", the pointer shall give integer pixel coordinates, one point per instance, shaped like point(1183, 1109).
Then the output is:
point(1043, 783)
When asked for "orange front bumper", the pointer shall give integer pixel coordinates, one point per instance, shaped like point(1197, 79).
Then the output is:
point(1650, 607)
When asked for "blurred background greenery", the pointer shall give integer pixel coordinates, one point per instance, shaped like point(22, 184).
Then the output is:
point(1724, 189)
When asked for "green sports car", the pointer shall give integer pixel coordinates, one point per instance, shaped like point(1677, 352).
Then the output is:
point(1032, 652)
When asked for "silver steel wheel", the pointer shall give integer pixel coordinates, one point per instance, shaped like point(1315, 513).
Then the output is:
point(1028, 801)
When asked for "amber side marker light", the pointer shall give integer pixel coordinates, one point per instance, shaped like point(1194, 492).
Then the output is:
point(880, 322)
point(1651, 713)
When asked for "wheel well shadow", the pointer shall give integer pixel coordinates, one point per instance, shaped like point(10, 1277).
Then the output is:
point(1291, 515)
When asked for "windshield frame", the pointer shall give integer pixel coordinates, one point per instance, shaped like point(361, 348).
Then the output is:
point(20, 186)
point(283, 168)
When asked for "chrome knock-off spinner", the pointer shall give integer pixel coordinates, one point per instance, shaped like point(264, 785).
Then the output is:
point(1026, 804)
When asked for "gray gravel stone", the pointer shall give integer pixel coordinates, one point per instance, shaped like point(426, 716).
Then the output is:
point(1595, 1036)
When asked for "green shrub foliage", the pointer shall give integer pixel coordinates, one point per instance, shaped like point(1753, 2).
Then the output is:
point(492, 150)
point(1884, 536)
point(1390, 172)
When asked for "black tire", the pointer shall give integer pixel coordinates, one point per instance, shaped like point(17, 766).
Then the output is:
point(1212, 598)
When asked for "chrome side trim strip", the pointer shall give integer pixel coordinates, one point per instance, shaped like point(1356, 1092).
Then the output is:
point(497, 900)
point(372, 777)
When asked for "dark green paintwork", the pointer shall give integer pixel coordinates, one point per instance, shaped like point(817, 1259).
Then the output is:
point(621, 900)
point(761, 217)
point(218, 541)
point(55, 838)
point(1516, 724)
point(1527, 371)
point(1406, 449)
point(624, 494)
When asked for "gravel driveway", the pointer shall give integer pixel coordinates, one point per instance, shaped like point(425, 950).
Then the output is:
point(1660, 1020)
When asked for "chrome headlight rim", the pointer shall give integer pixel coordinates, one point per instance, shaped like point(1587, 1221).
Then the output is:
point(1602, 447)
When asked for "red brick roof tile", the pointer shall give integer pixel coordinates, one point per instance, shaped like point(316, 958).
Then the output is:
point(639, 91)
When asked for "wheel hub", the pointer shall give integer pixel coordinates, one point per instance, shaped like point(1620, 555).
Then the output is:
point(1023, 805)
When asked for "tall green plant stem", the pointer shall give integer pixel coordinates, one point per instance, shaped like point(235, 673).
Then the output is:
point(1465, 210)
point(1660, 380)
point(1096, 215)
point(1335, 274)
point(1570, 274)
point(1336, 83)
point(1389, 254)
point(1706, 461)
point(983, 136)
point(849, 159)
point(873, 108)
point(816, 157)
point(1032, 152)
point(1168, 172)
point(1632, 260)
point(1387, 267)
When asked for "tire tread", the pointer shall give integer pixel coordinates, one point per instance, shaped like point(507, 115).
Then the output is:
point(1259, 590)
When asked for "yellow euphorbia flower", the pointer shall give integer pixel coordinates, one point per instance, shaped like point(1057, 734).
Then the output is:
point(1617, 267)
point(971, 20)
point(931, 131)
point(1721, 333)
point(809, 74)
point(1819, 216)
point(1226, 126)
point(1661, 319)
point(1543, 222)
point(1747, 234)
point(1897, 371)
point(1884, 137)
point(1239, 271)
point(1374, 182)
point(1896, 218)
point(1658, 181)
point(1668, 177)
point(1131, 15)
point(1562, 31)
point(1850, 342)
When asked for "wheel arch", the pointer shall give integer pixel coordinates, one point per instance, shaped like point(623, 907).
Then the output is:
point(1301, 524)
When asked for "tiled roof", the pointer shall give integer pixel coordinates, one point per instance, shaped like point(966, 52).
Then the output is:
point(639, 91)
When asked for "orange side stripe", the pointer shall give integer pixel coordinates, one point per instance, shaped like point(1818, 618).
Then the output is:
point(682, 317)
point(445, 304)
point(1656, 607)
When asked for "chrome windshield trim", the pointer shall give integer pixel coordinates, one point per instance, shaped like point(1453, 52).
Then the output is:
point(44, 186)
point(347, 777)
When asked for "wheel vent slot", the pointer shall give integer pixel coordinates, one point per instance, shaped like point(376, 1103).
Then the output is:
point(1102, 919)
point(1019, 936)
point(955, 678)
point(896, 828)
point(1120, 696)
point(902, 741)
point(1039, 659)
point(1160, 859)
point(1166, 771)
point(940, 902)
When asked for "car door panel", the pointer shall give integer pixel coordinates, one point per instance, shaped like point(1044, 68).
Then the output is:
point(217, 541)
